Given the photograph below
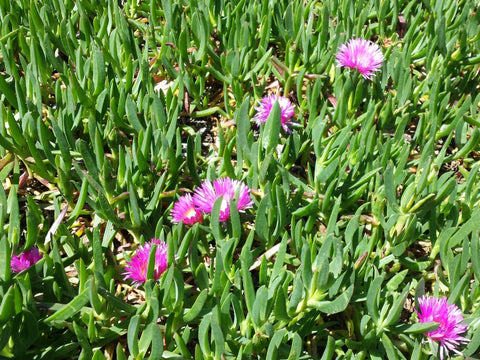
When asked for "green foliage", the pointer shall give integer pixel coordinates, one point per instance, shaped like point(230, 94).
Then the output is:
point(111, 110)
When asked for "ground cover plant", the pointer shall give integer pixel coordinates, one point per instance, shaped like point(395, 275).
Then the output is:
point(239, 180)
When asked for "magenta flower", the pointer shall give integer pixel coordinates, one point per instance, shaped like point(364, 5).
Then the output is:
point(449, 318)
point(185, 210)
point(137, 267)
point(205, 196)
point(361, 54)
point(265, 107)
point(25, 260)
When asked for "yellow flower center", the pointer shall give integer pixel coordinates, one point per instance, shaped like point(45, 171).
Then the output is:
point(190, 213)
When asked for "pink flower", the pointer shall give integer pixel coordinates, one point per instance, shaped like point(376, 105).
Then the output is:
point(184, 210)
point(361, 54)
point(265, 107)
point(25, 260)
point(137, 267)
point(449, 318)
point(205, 196)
